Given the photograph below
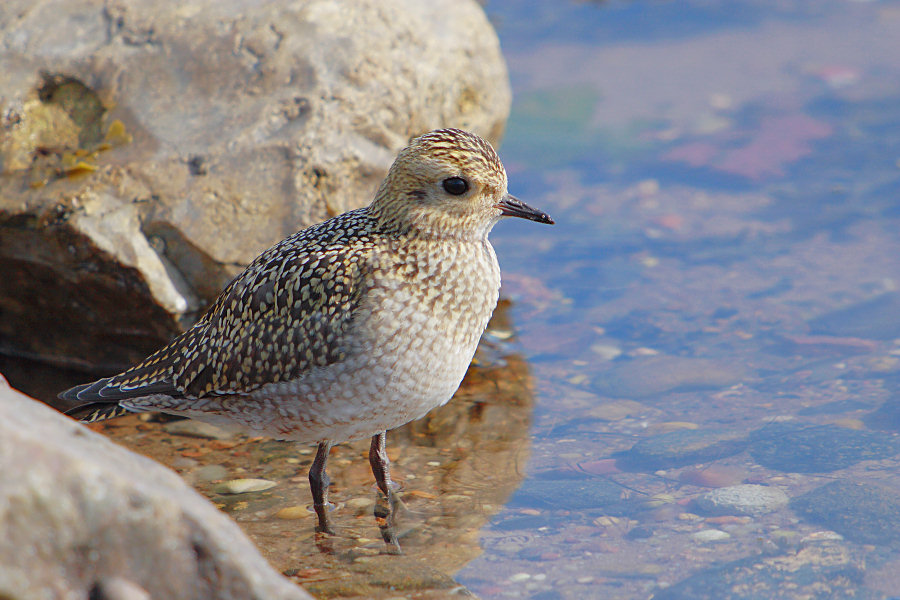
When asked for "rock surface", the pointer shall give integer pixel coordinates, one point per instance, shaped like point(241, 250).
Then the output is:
point(149, 150)
point(84, 518)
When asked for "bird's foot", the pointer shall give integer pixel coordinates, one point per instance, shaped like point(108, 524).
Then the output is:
point(322, 525)
point(385, 509)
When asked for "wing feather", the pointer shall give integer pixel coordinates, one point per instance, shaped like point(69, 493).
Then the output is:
point(288, 312)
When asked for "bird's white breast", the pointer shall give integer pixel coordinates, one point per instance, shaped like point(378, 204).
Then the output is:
point(411, 342)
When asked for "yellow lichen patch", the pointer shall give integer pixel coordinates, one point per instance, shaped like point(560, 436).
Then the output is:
point(77, 163)
point(41, 129)
point(80, 168)
point(116, 135)
point(59, 132)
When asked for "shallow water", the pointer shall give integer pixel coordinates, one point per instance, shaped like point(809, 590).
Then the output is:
point(717, 305)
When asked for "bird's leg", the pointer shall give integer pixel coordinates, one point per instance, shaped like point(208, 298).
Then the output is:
point(318, 484)
point(381, 464)
point(385, 509)
point(387, 501)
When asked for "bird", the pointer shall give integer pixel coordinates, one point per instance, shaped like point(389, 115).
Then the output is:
point(348, 328)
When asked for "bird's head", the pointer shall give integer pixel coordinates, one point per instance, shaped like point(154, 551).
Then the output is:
point(448, 183)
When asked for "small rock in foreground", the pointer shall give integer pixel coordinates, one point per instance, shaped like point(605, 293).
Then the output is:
point(143, 532)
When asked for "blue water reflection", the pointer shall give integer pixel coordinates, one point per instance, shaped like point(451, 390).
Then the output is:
point(714, 323)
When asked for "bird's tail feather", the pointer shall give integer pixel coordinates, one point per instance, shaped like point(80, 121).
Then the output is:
point(101, 399)
point(97, 411)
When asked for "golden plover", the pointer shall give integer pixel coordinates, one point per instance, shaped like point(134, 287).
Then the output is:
point(348, 328)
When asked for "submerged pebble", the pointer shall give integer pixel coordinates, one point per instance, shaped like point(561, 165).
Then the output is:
point(210, 473)
point(872, 319)
point(575, 494)
point(714, 476)
point(293, 512)
point(826, 571)
point(199, 429)
point(747, 499)
point(861, 512)
point(242, 486)
point(820, 449)
point(682, 447)
point(616, 410)
point(360, 503)
point(711, 535)
point(656, 375)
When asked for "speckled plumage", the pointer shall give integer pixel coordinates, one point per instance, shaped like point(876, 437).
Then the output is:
point(348, 328)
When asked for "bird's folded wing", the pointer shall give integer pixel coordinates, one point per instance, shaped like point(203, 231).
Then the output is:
point(289, 312)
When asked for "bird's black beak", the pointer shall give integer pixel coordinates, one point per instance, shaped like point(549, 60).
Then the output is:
point(510, 206)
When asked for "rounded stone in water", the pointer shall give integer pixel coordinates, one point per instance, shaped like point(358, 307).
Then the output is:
point(242, 486)
point(747, 499)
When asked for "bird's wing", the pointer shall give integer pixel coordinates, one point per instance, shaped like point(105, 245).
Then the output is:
point(287, 313)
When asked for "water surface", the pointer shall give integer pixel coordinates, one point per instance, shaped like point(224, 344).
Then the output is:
point(717, 306)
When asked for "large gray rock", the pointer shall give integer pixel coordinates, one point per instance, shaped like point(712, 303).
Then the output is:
point(84, 518)
point(243, 122)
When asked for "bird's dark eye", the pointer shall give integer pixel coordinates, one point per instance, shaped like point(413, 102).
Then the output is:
point(455, 186)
